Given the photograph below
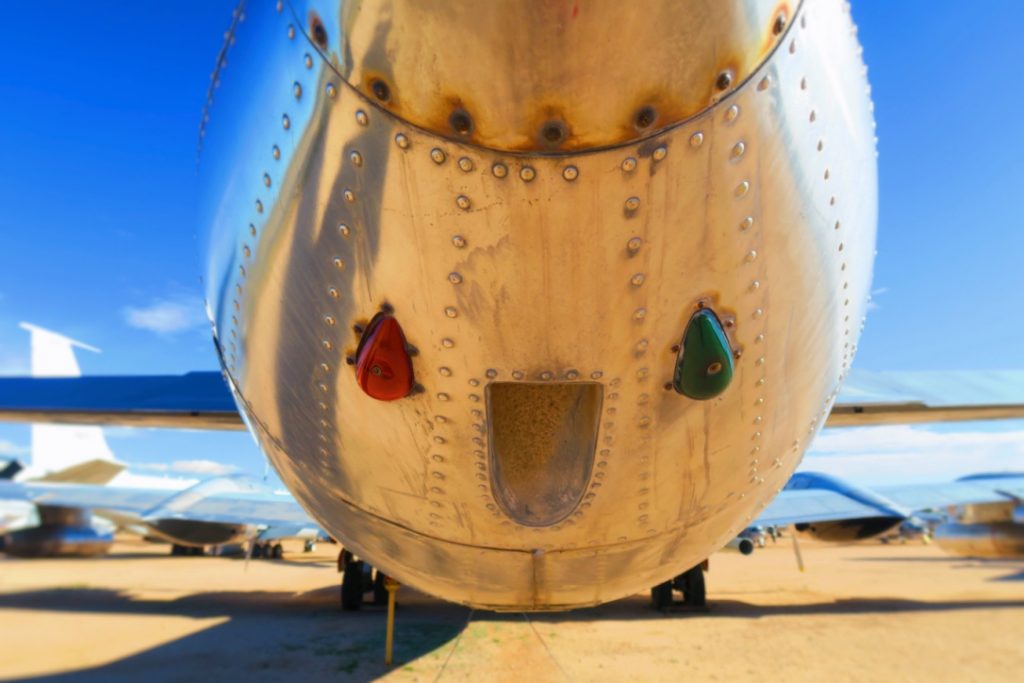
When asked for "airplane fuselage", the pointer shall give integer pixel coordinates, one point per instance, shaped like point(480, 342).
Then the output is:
point(535, 306)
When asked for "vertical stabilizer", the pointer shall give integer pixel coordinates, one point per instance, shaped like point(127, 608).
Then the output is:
point(58, 447)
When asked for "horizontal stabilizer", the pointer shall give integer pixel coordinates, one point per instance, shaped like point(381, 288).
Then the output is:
point(98, 471)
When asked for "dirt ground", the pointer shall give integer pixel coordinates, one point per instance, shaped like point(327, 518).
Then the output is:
point(859, 613)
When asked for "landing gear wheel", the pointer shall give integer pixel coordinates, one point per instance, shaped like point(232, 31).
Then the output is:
point(661, 596)
point(276, 551)
point(197, 552)
point(257, 551)
point(177, 550)
point(380, 593)
point(694, 591)
point(352, 585)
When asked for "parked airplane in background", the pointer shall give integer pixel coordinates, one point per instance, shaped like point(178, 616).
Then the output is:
point(549, 317)
point(72, 475)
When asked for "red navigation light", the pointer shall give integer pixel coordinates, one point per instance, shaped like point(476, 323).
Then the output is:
point(383, 366)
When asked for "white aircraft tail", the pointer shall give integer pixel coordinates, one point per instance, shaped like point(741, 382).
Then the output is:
point(62, 448)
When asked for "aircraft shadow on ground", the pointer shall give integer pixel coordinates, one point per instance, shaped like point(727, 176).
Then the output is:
point(274, 632)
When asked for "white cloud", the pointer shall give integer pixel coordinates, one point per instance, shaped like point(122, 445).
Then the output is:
point(167, 316)
point(206, 468)
point(11, 449)
point(913, 454)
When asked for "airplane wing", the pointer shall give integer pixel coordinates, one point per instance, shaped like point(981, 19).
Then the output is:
point(201, 503)
point(806, 507)
point(876, 398)
point(202, 400)
point(825, 505)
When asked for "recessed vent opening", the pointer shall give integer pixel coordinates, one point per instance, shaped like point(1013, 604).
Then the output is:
point(542, 440)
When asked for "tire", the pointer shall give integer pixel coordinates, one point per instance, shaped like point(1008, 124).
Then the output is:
point(694, 590)
point(352, 586)
point(276, 552)
point(661, 596)
point(177, 550)
point(257, 551)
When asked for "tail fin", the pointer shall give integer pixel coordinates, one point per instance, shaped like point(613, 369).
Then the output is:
point(59, 447)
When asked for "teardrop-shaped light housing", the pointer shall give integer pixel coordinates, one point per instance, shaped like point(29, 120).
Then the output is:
point(704, 365)
point(383, 365)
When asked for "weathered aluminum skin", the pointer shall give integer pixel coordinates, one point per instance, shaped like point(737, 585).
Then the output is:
point(551, 267)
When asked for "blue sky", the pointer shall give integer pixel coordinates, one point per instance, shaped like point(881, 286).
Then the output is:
point(98, 228)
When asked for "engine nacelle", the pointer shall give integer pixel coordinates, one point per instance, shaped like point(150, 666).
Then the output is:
point(62, 532)
point(998, 540)
point(741, 545)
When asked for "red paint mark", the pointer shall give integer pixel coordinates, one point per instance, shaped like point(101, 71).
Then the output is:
point(575, 10)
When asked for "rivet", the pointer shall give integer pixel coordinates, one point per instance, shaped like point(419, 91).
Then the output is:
point(755, 284)
point(527, 173)
point(813, 116)
point(491, 373)
point(451, 312)
point(466, 164)
point(438, 155)
point(326, 368)
point(333, 292)
point(840, 246)
point(443, 396)
point(826, 174)
point(697, 139)
point(758, 312)
point(759, 338)
point(738, 149)
point(572, 374)
point(445, 372)
point(462, 201)
point(297, 89)
point(596, 374)
point(659, 153)
point(338, 263)
point(792, 47)
point(742, 188)
point(455, 278)
point(459, 241)
point(308, 61)
point(246, 251)
point(499, 170)
point(803, 83)
point(259, 206)
point(637, 279)
point(349, 195)
point(546, 375)
point(632, 204)
point(639, 314)
point(764, 83)
point(517, 374)
point(747, 223)
point(402, 141)
point(276, 152)
point(732, 112)
point(628, 164)
point(323, 387)
point(751, 255)
point(570, 173)
point(837, 225)
point(447, 343)
point(634, 244)
point(474, 382)
point(821, 145)
point(357, 158)
point(343, 230)
point(291, 32)
point(266, 179)
point(331, 90)
point(724, 80)
point(330, 320)
point(326, 343)
point(759, 361)
point(286, 122)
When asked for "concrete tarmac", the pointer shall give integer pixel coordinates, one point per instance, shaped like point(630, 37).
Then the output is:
point(866, 612)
